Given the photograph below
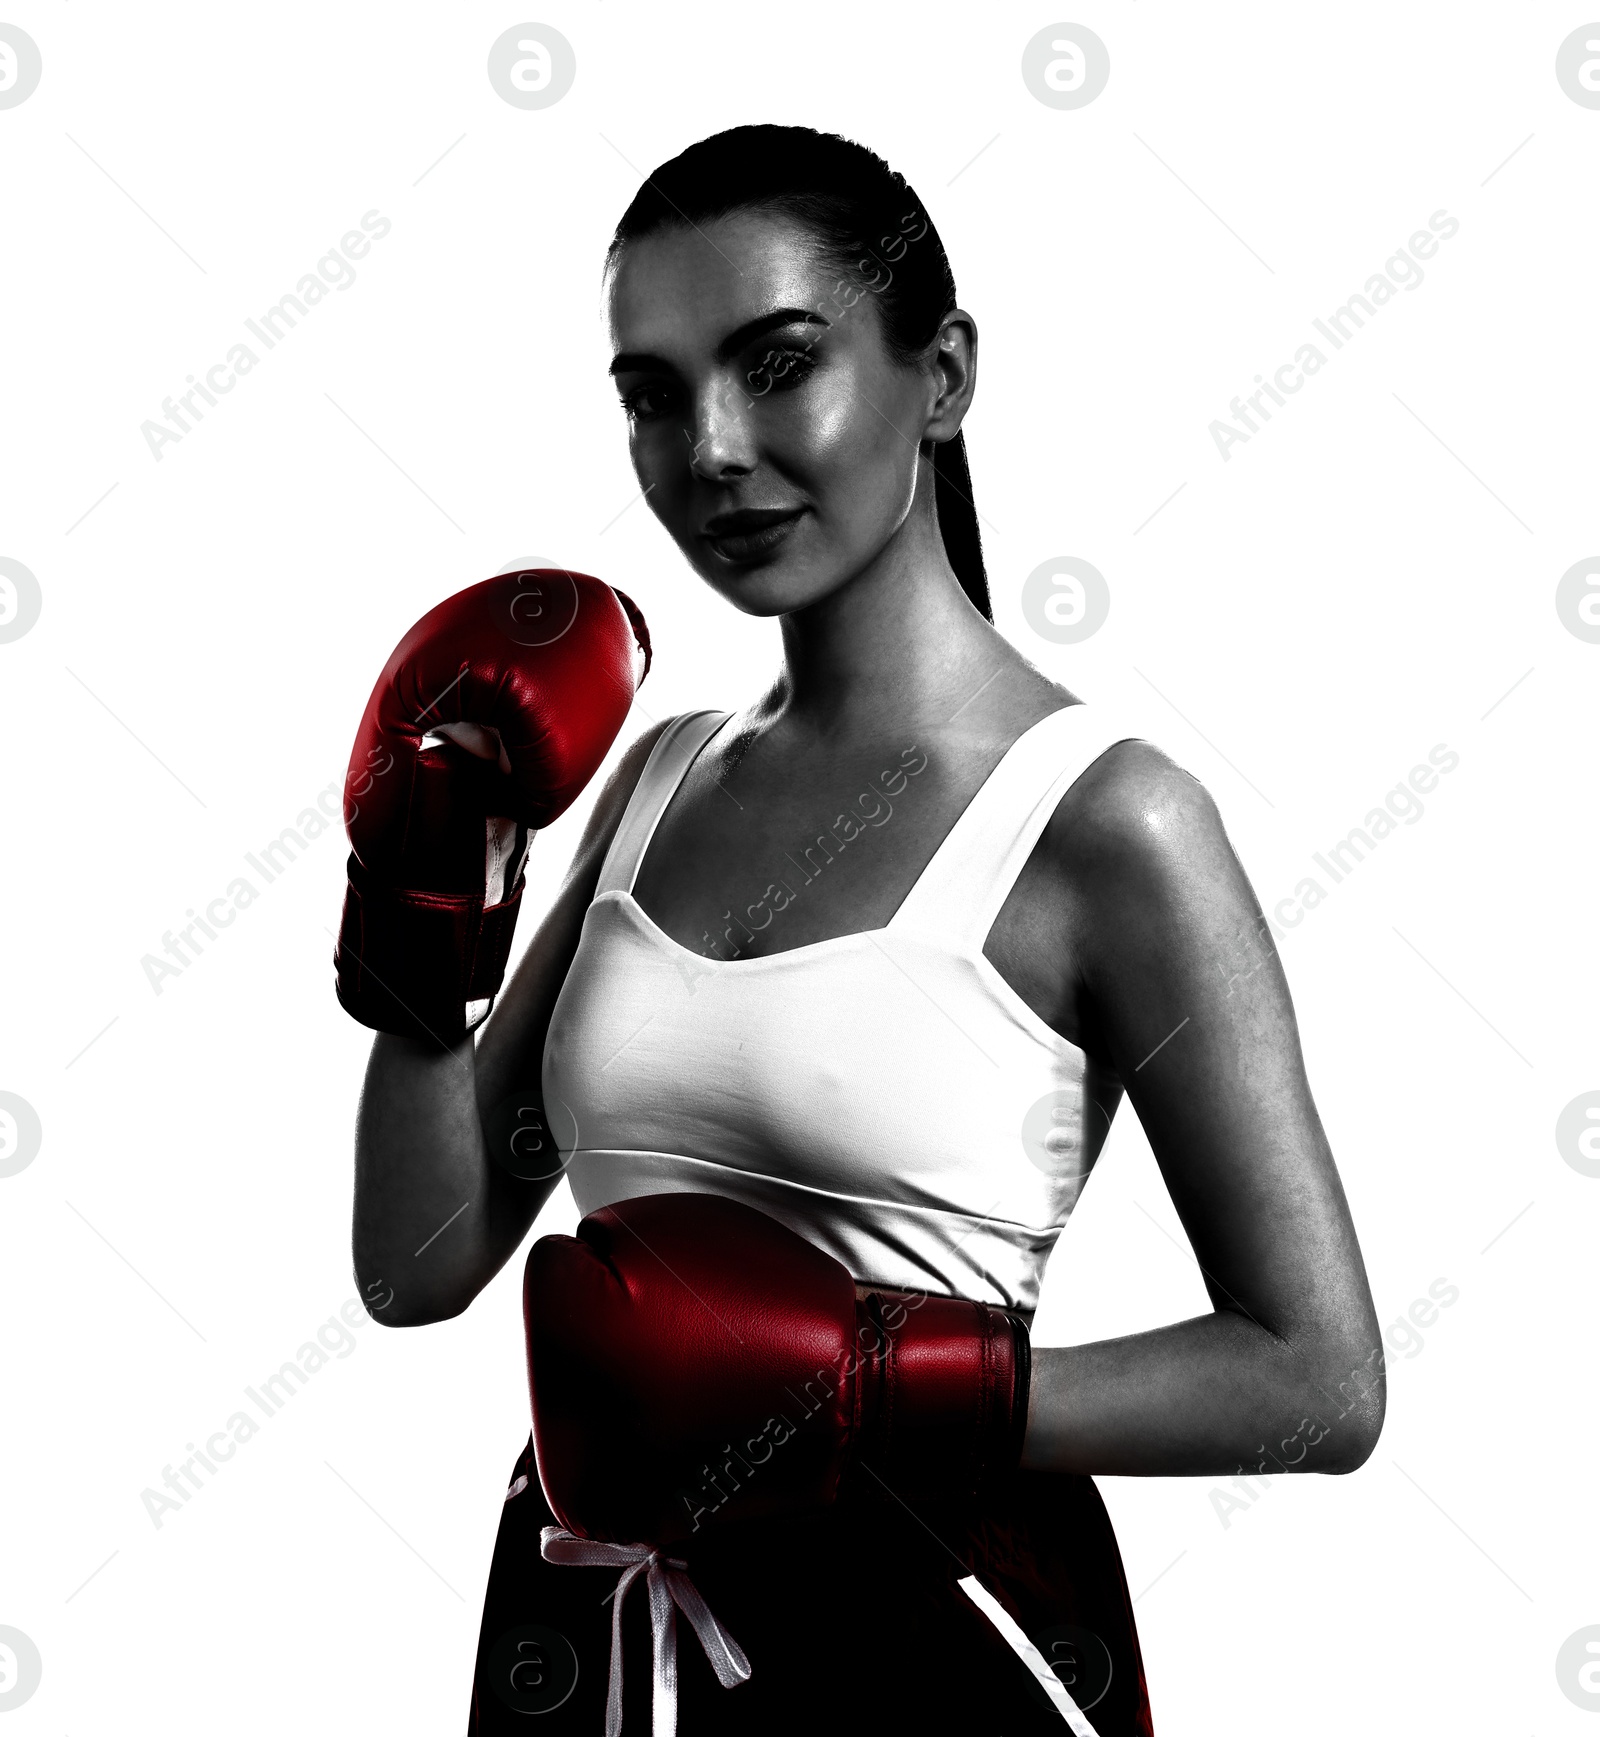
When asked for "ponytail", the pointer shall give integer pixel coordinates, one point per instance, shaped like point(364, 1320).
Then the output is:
point(958, 521)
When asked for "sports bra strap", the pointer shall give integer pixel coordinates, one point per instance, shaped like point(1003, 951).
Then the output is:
point(971, 875)
point(676, 746)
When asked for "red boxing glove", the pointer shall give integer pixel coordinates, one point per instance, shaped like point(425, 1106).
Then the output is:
point(536, 669)
point(690, 1359)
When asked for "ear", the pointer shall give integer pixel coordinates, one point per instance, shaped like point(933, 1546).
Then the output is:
point(954, 374)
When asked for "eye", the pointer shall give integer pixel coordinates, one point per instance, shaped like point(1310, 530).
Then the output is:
point(780, 370)
point(645, 403)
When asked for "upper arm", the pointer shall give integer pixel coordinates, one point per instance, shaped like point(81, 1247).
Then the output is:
point(1190, 997)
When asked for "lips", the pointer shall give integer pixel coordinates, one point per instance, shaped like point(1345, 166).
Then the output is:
point(751, 533)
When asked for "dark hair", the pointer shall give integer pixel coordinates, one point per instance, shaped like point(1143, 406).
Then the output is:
point(871, 226)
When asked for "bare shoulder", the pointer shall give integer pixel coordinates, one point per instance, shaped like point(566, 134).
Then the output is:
point(1160, 918)
point(1139, 842)
point(1136, 806)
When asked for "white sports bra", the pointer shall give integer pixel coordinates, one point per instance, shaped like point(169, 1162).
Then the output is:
point(886, 1094)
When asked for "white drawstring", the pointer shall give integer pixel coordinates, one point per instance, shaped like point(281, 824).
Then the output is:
point(669, 1584)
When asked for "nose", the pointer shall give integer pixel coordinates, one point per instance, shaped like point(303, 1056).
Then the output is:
point(722, 437)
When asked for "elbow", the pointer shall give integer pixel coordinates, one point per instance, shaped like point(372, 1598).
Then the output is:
point(396, 1315)
point(1357, 1436)
point(417, 1314)
point(1351, 1447)
point(391, 1308)
point(1335, 1386)
point(1357, 1403)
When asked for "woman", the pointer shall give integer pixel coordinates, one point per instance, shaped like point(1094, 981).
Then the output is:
point(879, 955)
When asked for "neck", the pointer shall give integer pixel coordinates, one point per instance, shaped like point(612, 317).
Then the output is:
point(900, 643)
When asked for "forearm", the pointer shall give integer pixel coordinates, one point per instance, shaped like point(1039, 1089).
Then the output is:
point(1206, 1397)
point(435, 1217)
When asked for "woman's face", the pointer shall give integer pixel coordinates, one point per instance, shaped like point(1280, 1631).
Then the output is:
point(771, 431)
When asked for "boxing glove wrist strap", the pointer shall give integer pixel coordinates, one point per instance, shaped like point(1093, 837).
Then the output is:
point(941, 1392)
point(421, 964)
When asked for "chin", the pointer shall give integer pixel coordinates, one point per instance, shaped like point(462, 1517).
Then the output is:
point(775, 588)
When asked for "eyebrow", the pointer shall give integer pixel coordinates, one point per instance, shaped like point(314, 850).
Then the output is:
point(638, 362)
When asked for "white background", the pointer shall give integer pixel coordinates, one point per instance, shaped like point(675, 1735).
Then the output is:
point(1368, 576)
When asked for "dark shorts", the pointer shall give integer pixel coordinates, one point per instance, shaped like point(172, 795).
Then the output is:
point(851, 1619)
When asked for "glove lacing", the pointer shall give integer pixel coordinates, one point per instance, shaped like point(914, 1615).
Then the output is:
point(668, 1581)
